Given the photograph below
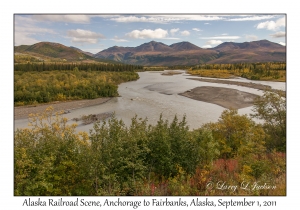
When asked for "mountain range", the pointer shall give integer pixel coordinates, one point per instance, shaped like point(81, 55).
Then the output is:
point(159, 54)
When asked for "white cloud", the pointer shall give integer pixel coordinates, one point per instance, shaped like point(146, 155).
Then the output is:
point(214, 42)
point(84, 36)
point(165, 18)
point(206, 23)
point(23, 35)
point(196, 29)
point(173, 31)
point(272, 25)
point(185, 33)
point(281, 21)
point(24, 39)
point(25, 30)
point(117, 39)
point(63, 18)
point(225, 34)
point(207, 46)
point(34, 30)
point(171, 38)
point(178, 18)
point(193, 17)
point(123, 19)
point(251, 37)
point(252, 18)
point(80, 33)
point(278, 34)
point(84, 40)
point(24, 20)
point(148, 33)
point(221, 37)
point(282, 43)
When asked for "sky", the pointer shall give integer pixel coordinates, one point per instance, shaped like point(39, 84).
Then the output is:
point(96, 32)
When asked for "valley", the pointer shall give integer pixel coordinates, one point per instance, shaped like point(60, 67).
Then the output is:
point(155, 119)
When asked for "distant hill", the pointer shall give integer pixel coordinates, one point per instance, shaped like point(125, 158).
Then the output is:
point(256, 51)
point(157, 53)
point(184, 46)
point(153, 47)
point(185, 53)
point(255, 45)
point(55, 52)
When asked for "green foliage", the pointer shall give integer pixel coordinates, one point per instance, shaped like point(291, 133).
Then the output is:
point(47, 86)
point(50, 157)
point(23, 58)
point(183, 146)
point(254, 71)
point(42, 66)
point(171, 146)
point(237, 134)
point(160, 158)
point(208, 148)
point(271, 108)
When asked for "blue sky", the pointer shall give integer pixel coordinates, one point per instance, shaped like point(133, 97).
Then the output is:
point(96, 32)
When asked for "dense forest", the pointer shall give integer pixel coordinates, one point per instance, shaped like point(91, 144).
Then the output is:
point(51, 158)
point(275, 71)
point(42, 87)
point(42, 66)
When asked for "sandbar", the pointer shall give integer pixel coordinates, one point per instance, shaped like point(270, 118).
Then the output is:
point(226, 97)
point(22, 112)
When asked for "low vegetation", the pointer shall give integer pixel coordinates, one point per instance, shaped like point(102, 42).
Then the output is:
point(91, 118)
point(25, 58)
point(255, 71)
point(50, 158)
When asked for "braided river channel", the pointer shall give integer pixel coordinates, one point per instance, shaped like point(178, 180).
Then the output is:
point(154, 94)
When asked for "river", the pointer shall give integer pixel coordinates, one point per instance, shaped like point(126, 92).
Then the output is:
point(154, 94)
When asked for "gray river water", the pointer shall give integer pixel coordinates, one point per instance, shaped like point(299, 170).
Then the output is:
point(154, 94)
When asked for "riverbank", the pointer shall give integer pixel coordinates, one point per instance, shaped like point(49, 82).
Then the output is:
point(225, 97)
point(243, 84)
point(228, 82)
point(22, 112)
